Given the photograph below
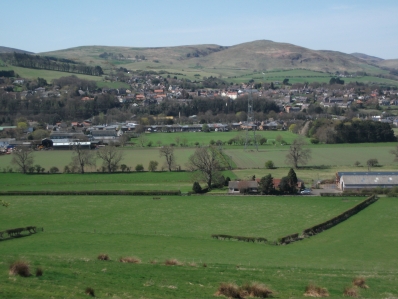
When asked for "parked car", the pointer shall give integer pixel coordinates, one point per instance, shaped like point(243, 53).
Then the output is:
point(305, 192)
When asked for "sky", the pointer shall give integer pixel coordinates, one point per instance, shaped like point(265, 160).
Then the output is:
point(366, 26)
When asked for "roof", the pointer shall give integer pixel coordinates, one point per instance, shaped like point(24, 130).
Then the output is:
point(364, 173)
point(242, 184)
point(366, 180)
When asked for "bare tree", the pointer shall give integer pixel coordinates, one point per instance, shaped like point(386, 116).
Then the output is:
point(142, 139)
point(297, 153)
point(124, 139)
point(208, 161)
point(168, 152)
point(23, 158)
point(395, 153)
point(110, 157)
point(82, 157)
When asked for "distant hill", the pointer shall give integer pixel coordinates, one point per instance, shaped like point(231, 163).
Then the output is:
point(390, 63)
point(252, 56)
point(366, 57)
point(11, 50)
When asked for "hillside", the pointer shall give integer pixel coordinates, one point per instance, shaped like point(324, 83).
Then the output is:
point(368, 58)
point(11, 50)
point(390, 63)
point(257, 55)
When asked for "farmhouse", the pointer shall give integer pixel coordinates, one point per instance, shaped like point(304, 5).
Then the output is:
point(366, 180)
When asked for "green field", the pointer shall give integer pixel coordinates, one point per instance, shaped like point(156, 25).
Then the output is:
point(77, 229)
point(51, 75)
point(100, 181)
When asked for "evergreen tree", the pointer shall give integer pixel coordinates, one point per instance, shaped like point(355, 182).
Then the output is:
point(266, 185)
point(292, 177)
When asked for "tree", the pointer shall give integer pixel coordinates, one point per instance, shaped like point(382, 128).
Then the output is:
point(142, 139)
point(292, 177)
point(139, 167)
point(372, 163)
point(110, 157)
point(23, 158)
point(297, 154)
point(269, 164)
point(266, 185)
point(123, 167)
point(196, 187)
point(285, 81)
point(168, 152)
point(284, 186)
point(153, 165)
point(54, 169)
point(205, 128)
point(395, 153)
point(208, 161)
point(124, 139)
point(82, 157)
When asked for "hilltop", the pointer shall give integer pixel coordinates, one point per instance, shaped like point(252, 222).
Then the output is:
point(11, 50)
point(252, 56)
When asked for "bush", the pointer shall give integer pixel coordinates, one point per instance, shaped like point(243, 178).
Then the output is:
point(139, 167)
point(227, 180)
point(229, 290)
point(256, 289)
point(315, 291)
point(54, 169)
point(172, 262)
point(39, 272)
point(269, 164)
point(89, 291)
point(314, 140)
point(351, 291)
point(360, 282)
point(103, 257)
point(132, 260)
point(20, 268)
point(196, 187)
point(66, 169)
point(153, 165)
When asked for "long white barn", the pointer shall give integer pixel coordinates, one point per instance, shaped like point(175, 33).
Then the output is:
point(366, 180)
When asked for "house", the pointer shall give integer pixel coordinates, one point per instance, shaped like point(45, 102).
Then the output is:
point(366, 180)
point(237, 187)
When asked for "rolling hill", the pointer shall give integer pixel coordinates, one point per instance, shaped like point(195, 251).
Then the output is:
point(11, 50)
point(252, 56)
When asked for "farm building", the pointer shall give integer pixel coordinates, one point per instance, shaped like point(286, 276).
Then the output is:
point(237, 187)
point(361, 180)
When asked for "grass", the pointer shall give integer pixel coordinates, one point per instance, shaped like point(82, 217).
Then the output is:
point(100, 181)
point(180, 227)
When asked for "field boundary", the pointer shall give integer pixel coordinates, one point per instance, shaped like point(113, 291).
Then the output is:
point(94, 192)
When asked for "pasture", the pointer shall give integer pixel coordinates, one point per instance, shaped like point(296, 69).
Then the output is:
point(77, 229)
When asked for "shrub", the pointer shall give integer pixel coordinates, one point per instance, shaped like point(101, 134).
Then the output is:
point(89, 291)
point(315, 291)
point(269, 164)
point(227, 180)
point(204, 265)
point(39, 272)
point(256, 289)
point(196, 187)
point(66, 169)
point(173, 262)
point(139, 167)
point(229, 290)
point(20, 268)
point(123, 167)
point(128, 259)
point(351, 291)
point(103, 257)
point(314, 140)
point(360, 282)
point(54, 169)
point(153, 165)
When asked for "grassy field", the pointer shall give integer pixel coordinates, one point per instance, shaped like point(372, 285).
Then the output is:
point(51, 75)
point(204, 138)
point(100, 181)
point(77, 229)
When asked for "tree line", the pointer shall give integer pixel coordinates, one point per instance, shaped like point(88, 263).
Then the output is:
point(51, 63)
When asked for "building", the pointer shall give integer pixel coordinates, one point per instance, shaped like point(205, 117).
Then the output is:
point(366, 180)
